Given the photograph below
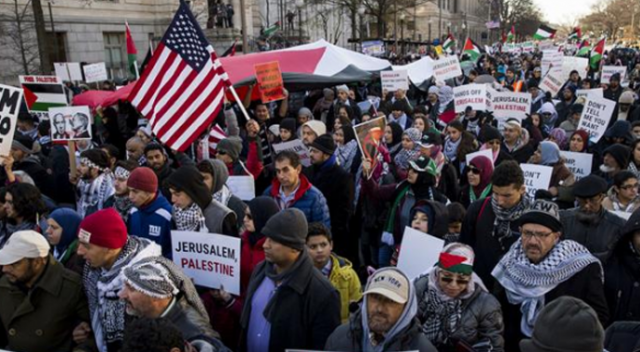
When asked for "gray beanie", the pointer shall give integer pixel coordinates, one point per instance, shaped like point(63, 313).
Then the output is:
point(288, 227)
point(305, 112)
point(232, 146)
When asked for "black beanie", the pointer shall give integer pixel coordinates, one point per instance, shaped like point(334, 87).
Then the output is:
point(620, 153)
point(289, 124)
point(325, 144)
point(288, 227)
point(188, 179)
point(490, 133)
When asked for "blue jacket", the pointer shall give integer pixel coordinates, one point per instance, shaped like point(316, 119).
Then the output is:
point(307, 199)
point(153, 222)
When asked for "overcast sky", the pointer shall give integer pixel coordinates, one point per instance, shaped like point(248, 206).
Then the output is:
point(564, 11)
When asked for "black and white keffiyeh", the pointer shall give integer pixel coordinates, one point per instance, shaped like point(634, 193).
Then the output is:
point(189, 219)
point(92, 195)
point(504, 217)
point(123, 206)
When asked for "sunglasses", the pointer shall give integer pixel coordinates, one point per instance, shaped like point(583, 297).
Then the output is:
point(473, 170)
point(449, 280)
point(222, 152)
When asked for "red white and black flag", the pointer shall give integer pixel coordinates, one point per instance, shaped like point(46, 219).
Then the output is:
point(182, 89)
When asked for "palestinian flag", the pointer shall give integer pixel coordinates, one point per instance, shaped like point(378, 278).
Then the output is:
point(42, 93)
point(511, 37)
point(596, 54)
point(231, 51)
point(584, 48)
point(575, 34)
point(472, 49)
point(449, 42)
point(132, 53)
point(147, 58)
point(269, 31)
point(544, 32)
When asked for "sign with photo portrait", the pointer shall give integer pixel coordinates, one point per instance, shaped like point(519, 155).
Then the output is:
point(70, 123)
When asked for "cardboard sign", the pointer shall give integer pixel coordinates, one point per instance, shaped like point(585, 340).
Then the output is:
point(595, 117)
point(10, 100)
point(70, 123)
point(551, 83)
point(597, 93)
point(536, 177)
point(68, 71)
point(579, 163)
point(270, 82)
point(473, 95)
point(551, 59)
point(608, 71)
point(509, 104)
point(211, 260)
point(298, 147)
point(419, 252)
point(242, 187)
point(570, 63)
point(394, 80)
point(95, 73)
point(369, 135)
point(446, 68)
point(487, 152)
point(42, 93)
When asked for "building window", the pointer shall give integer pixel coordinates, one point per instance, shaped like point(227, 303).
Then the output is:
point(56, 47)
point(115, 53)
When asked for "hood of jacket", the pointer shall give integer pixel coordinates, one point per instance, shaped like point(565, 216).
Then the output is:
point(304, 186)
point(438, 216)
point(220, 174)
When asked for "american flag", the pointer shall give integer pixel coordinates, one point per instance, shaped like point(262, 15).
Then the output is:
point(182, 89)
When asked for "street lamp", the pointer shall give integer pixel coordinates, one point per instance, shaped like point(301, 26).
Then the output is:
point(429, 29)
point(402, 17)
point(449, 28)
point(361, 12)
point(300, 5)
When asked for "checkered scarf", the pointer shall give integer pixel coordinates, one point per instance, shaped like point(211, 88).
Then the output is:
point(93, 194)
point(504, 217)
point(189, 219)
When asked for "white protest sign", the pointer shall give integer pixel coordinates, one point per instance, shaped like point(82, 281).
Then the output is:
point(487, 152)
point(590, 93)
point(298, 147)
point(394, 80)
point(511, 48)
point(489, 97)
point(42, 93)
point(70, 123)
point(473, 95)
point(446, 68)
point(579, 163)
point(418, 253)
point(570, 63)
point(546, 45)
point(95, 73)
point(595, 117)
point(551, 59)
point(536, 177)
point(608, 71)
point(211, 260)
point(528, 47)
point(242, 187)
point(551, 83)
point(509, 104)
point(68, 71)
point(10, 100)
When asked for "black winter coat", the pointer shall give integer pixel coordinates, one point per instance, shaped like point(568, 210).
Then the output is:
point(599, 239)
point(521, 155)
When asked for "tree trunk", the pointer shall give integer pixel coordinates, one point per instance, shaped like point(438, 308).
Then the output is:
point(38, 15)
point(23, 55)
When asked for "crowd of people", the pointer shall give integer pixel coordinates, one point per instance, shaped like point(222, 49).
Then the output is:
point(87, 257)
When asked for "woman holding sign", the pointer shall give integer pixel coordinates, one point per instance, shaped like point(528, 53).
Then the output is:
point(562, 179)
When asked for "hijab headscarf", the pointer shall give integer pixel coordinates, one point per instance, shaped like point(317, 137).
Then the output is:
point(560, 136)
point(405, 156)
point(485, 165)
point(262, 209)
point(548, 123)
point(396, 132)
point(445, 96)
point(550, 153)
point(585, 139)
point(69, 220)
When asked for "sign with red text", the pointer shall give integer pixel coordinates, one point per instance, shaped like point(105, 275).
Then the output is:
point(595, 117)
point(551, 83)
point(473, 95)
point(95, 72)
point(270, 82)
point(211, 260)
point(446, 68)
point(608, 71)
point(509, 104)
point(10, 100)
point(296, 146)
point(42, 93)
point(394, 80)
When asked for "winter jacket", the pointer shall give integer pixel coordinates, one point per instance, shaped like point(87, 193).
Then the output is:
point(220, 177)
point(307, 199)
point(585, 285)
point(63, 192)
point(348, 337)
point(153, 222)
point(163, 174)
point(622, 275)
point(346, 281)
point(220, 219)
point(32, 165)
point(623, 336)
point(599, 239)
point(521, 155)
point(481, 321)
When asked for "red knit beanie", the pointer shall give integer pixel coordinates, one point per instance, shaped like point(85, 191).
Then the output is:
point(103, 228)
point(143, 179)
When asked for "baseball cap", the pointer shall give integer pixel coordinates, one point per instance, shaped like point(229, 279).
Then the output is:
point(391, 283)
point(24, 244)
point(430, 139)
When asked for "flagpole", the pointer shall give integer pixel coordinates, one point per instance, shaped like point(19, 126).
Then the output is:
point(135, 65)
point(239, 101)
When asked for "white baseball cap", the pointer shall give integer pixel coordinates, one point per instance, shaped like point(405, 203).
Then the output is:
point(24, 244)
point(391, 283)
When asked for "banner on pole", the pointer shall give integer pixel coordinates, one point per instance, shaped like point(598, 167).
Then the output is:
point(597, 93)
point(68, 71)
point(70, 123)
point(551, 60)
point(296, 146)
point(608, 71)
point(419, 252)
point(551, 83)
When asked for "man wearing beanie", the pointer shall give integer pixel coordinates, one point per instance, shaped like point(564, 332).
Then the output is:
point(95, 185)
point(229, 149)
point(337, 186)
point(151, 213)
point(24, 159)
point(120, 200)
point(590, 224)
point(194, 208)
point(291, 189)
point(107, 250)
point(613, 92)
point(289, 304)
point(539, 268)
point(342, 98)
point(615, 159)
point(42, 302)
point(566, 325)
point(157, 288)
point(312, 130)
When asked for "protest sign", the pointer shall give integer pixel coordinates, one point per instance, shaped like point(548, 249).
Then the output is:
point(546, 45)
point(394, 80)
point(473, 95)
point(551, 59)
point(511, 48)
point(579, 163)
point(487, 152)
point(509, 104)
point(211, 260)
point(590, 93)
point(270, 82)
point(95, 72)
point(446, 68)
point(42, 93)
point(68, 71)
point(373, 48)
point(296, 146)
point(242, 187)
point(608, 71)
point(489, 97)
point(70, 123)
point(570, 63)
point(528, 47)
point(418, 253)
point(595, 117)
point(551, 83)
point(10, 100)
point(369, 135)
point(536, 177)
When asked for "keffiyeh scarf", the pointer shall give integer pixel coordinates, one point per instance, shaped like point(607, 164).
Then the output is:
point(504, 217)
point(189, 219)
point(223, 195)
point(123, 206)
point(451, 148)
point(527, 283)
point(93, 194)
point(403, 157)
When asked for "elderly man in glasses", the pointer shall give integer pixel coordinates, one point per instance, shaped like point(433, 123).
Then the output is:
point(539, 268)
point(590, 224)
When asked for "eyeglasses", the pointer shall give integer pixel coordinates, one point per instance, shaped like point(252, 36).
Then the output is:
point(449, 280)
point(629, 187)
point(473, 170)
point(538, 235)
point(222, 152)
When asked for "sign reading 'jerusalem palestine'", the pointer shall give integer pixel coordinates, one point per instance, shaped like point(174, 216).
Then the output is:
point(508, 104)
